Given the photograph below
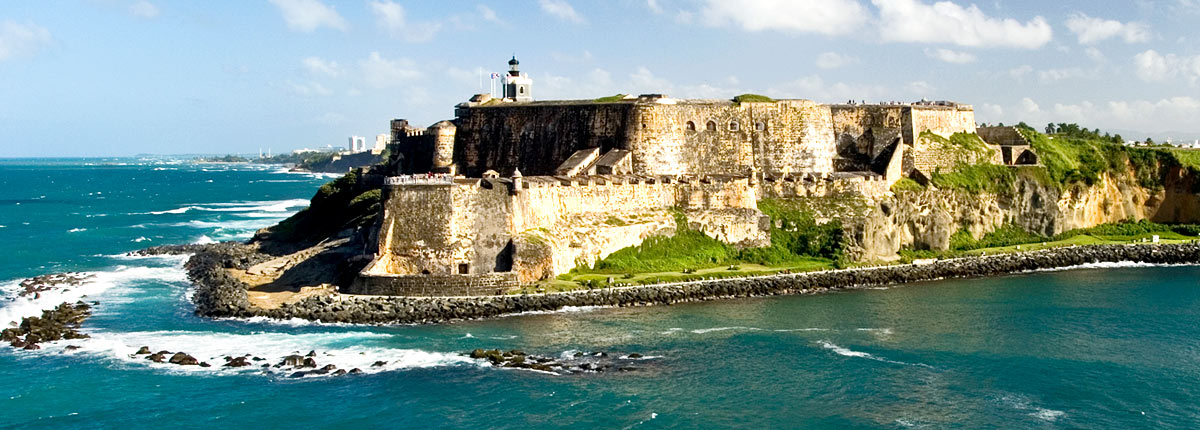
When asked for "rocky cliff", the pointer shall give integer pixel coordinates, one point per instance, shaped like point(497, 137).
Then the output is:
point(926, 218)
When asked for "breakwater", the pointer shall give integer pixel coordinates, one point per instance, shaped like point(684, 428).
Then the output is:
point(220, 295)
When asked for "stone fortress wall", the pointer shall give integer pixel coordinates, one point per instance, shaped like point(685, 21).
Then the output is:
point(522, 229)
point(524, 191)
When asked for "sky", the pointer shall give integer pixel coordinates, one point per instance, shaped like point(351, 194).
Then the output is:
point(125, 77)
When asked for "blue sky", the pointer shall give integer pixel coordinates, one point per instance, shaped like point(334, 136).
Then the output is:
point(121, 77)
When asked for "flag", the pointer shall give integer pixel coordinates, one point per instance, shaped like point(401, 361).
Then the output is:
point(495, 75)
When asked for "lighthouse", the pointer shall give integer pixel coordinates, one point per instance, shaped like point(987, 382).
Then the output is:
point(517, 85)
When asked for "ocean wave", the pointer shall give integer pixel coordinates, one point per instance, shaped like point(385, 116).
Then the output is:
point(847, 352)
point(715, 329)
point(270, 347)
point(1111, 265)
point(290, 322)
point(16, 307)
point(76, 230)
point(140, 239)
point(249, 206)
point(1022, 403)
point(562, 310)
point(203, 240)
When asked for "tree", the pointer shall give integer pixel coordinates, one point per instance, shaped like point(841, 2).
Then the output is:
point(1149, 142)
point(1050, 128)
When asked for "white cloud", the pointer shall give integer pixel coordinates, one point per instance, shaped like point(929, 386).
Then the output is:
point(318, 66)
point(1154, 67)
point(830, 17)
point(562, 10)
point(143, 9)
point(1020, 72)
point(583, 57)
point(380, 72)
point(1168, 114)
point(833, 60)
point(308, 89)
point(946, 22)
point(1091, 30)
point(1095, 54)
point(488, 14)
point(949, 56)
point(920, 88)
point(812, 87)
point(1054, 75)
point(21, 39)
point(309, 15)
point(654, 6)
point(391, 17)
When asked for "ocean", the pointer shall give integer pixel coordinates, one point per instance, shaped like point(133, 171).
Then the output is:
point(1113, 346)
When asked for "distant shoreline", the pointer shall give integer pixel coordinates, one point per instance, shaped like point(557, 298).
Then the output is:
point(218, 294)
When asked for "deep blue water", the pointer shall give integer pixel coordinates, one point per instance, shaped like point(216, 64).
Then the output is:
point(1091, 348)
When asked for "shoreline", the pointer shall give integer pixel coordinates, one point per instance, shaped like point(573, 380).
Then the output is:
point(219, 294)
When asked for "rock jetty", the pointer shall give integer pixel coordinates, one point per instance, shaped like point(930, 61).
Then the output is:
point(220, 295)
point(62, 322)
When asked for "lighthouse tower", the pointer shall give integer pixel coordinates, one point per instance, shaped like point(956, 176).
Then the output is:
point(517, 85)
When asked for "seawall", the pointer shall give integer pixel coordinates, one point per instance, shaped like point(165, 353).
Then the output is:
point(219, 295)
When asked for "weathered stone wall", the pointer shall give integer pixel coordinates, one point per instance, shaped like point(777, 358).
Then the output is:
point(700, 137)
point(781, 137)
point(862, 131)
point(535, 137)
point(943, 120)
point(538, 226)
point(869, 185)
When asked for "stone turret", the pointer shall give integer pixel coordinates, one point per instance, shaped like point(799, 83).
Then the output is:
point(443, 145)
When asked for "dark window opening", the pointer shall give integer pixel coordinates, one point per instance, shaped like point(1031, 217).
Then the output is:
point(711, 126)
point(760, 126)
point(734, 126)
point(691, 126)
point(464, 268)
point(425, 272)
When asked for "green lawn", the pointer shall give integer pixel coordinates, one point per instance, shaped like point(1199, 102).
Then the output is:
point(575, 281)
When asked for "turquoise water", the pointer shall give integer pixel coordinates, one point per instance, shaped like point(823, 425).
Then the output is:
point(1096, 348)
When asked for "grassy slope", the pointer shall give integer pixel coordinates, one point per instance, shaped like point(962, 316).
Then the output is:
point(337, 205)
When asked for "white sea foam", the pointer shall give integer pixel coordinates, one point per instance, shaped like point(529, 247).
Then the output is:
point(290, 322)
point(17, 307)
point(714, 329)
point(140, 239)
point(1110, 265)
point(76, 230)
point(203, 240)
point(881, 333)
point(211, 347)
point(1047, 414)
point(859, 354)
point(247, 206)
point(562, 310)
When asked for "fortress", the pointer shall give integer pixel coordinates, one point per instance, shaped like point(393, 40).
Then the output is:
point(512, 190)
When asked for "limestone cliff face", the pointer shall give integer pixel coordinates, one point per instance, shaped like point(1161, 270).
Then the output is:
point(926, 219)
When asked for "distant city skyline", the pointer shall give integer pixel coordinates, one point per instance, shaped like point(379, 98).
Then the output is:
point(122, 77)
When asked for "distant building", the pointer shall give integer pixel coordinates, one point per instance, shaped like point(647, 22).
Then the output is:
point(358, 144)
point(381, 142)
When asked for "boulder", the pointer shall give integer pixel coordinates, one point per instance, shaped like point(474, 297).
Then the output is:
point(183, 359)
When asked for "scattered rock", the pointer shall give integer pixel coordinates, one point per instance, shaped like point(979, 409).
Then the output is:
point(381, 363)
point(183, 359)
point(60, 323)
point(237, 362)
point(142, 351)
point(355, 371)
